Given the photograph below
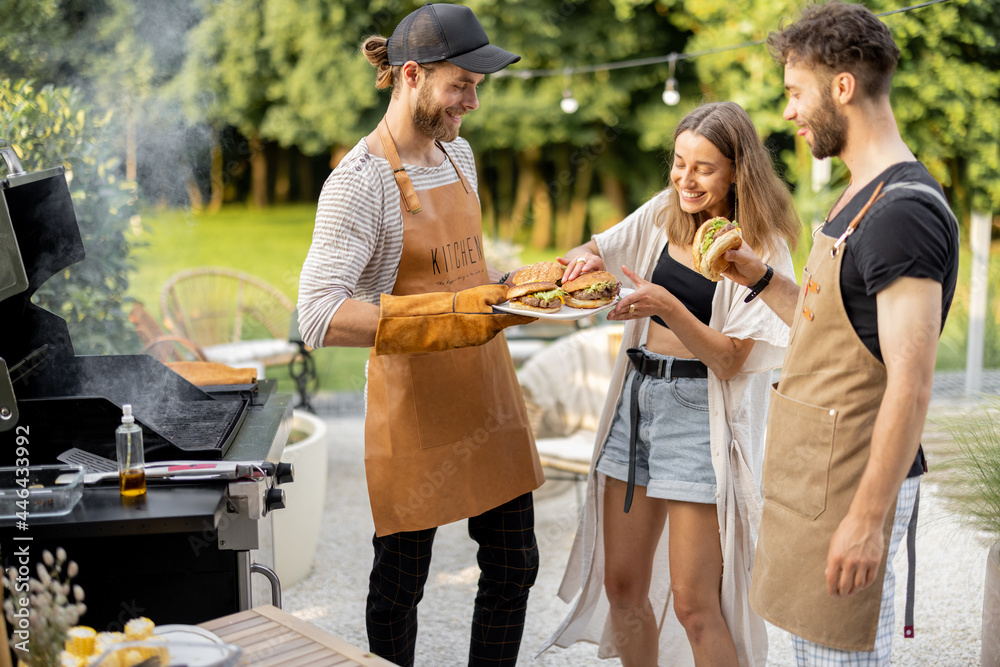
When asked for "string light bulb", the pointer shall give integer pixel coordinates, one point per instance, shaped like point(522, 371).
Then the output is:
point(568, 103)
point(670, 95)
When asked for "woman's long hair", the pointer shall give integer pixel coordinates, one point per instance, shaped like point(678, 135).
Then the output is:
point(761, 200)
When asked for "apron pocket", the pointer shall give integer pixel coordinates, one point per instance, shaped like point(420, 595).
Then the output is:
point(448, 395)
point(800, 440)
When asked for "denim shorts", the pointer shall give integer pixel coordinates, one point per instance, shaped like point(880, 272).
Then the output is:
point(673, 452)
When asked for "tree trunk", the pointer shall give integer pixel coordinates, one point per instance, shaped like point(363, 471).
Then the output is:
point(614, 190)
point(504, 194)
point(306, 192)
point(131, 174)
point(541, 226)
point(527, 174)
point(282, 175)
point(195, 199)
point(486, 205)
point(577, 217)
point(131, 148)
point(216, 175)
point(258, 172)
point(560, 190)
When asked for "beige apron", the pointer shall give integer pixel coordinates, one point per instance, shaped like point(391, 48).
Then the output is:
point(446, 433)
point(818, 440)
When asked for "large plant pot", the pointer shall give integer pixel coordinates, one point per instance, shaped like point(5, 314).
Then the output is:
point(297, 526)
point(991, 609)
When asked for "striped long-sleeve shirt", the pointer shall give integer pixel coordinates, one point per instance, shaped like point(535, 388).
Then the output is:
point(358, 238)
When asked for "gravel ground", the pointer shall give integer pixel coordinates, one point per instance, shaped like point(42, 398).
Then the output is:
point(949, 589)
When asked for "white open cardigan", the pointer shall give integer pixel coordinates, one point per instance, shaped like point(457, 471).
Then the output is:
point(737, 414)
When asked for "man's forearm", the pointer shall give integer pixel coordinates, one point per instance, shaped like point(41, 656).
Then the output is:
point(781, 295)
point(353, 325)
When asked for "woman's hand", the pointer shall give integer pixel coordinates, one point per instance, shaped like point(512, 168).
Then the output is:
point(647, 300)
point(580, 261)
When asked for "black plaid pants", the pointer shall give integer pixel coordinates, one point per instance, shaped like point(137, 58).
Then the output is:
point(508, 562)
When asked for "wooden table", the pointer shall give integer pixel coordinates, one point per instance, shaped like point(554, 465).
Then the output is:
point(269, 636)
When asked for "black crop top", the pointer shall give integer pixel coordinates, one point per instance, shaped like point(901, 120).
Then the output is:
point(691, 288)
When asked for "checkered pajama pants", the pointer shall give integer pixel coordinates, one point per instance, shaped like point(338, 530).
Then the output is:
point(808, 654)
point(508, 562)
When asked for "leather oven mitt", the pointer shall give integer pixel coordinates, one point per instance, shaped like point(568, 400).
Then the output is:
point(442, 320)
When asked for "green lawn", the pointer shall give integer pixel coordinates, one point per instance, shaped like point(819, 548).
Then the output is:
point(273, 243)
point(270, 244)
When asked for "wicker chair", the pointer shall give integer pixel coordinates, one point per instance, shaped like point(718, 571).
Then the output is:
point(158, 343)
point(235, 318)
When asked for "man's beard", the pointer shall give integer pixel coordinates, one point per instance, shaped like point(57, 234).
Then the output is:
point(829, 130)
point(429, 118)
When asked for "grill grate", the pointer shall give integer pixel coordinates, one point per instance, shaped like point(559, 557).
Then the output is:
point(193, 424)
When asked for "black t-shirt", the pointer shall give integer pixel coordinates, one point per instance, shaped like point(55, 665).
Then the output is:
point(692, 289)
point(907, 233)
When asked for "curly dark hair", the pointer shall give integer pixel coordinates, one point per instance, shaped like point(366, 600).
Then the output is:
point(840, 37)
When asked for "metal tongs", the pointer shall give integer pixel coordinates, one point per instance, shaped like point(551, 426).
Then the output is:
point(190, 471)
point(98, 469)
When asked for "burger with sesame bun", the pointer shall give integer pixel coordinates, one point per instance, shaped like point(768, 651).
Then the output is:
point(540, 297)
point(591, 290)
point(711, 242)
point(540, 272)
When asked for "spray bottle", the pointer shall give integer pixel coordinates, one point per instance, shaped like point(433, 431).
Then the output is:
point(131, 464)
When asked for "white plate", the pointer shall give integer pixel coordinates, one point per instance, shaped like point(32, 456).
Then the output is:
point(566, 313)
point(189, 646)
point(186, 633)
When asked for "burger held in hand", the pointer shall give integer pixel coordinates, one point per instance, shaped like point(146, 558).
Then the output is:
point(591, 290)
point(711, 242)
point(540, 297)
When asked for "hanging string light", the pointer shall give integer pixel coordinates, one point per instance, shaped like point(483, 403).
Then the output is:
point(671, 58)
point(670, 95)
point(568, 103)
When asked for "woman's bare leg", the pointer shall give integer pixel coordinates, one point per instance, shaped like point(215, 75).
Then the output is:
point(629, 545)
point(696, 578)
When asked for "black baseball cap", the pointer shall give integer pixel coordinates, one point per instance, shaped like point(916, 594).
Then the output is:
point(438, 32)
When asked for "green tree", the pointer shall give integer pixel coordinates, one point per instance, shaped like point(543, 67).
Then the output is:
point(945, 92)
point(227, 75)
point(51, 126)
point(946, 95)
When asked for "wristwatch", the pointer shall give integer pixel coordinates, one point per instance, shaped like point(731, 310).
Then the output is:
point(760, 285)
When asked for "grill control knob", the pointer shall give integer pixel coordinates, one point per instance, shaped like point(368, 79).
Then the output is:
point(285, 472)
point(274, 500)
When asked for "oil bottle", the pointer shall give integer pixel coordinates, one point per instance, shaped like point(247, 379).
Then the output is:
point(131, 463)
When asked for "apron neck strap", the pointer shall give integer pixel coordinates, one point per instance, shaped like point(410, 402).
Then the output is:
point(856, 221)
point(406, 191)
point(461, 176)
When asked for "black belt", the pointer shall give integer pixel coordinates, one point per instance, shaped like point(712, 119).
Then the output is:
point(656, 368)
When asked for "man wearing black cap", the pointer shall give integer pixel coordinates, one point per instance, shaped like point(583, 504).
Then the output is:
point(397, 264)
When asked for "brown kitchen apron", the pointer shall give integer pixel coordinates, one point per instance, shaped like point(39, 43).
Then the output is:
point(819, 432)
point(446, 433)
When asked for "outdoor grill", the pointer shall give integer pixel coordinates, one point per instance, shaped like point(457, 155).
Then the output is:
point(185, 551)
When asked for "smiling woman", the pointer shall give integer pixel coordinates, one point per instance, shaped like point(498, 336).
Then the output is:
point(654, 461)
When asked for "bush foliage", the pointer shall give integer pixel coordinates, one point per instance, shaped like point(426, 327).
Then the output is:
point(48, 127)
